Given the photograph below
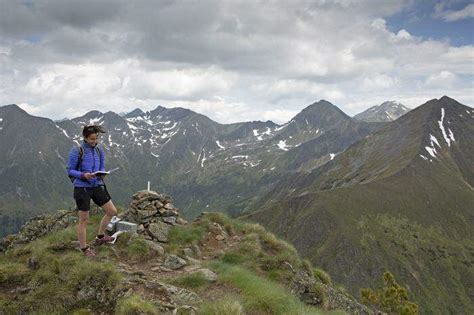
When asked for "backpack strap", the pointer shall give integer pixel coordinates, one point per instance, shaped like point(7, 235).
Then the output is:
point(81, 155)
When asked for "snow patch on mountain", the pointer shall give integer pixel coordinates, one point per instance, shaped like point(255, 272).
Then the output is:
point(282, 145)
point(219, 145)
point(447, 138)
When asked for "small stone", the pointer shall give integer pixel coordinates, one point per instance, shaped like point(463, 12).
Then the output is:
point(174, 262)
point(169, 206)
point(169, 220)
point(209, 275)
point(196, 250)
point(188, 252)
point(220, 237)
point(33, 263)
point(158, 204)
point(181, 221)
point(168, 213)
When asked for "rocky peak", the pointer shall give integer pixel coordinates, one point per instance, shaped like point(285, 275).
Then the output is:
point(387, 111)
point(134, 113)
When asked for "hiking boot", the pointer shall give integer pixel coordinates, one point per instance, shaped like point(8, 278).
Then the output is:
point(103, 240)
point(89, 252)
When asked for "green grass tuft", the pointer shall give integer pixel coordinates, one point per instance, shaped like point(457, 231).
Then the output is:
point(322, 276)
point(135, 305)
point(261, 295)
point(184, 235)
point(228, 305)
point(193, 280)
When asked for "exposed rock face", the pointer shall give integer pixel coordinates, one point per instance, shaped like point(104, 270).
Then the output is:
point(39, 226)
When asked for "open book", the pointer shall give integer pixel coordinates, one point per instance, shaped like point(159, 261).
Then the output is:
point(103, 173)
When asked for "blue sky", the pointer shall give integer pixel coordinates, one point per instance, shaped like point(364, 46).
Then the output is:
point(421, 20)
point(233, 60)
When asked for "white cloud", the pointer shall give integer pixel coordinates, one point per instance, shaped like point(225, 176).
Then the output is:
point(443, 79)
point(232, 61)
point(451, 16)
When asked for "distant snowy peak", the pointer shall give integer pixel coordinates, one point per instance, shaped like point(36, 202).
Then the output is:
point(387, 111)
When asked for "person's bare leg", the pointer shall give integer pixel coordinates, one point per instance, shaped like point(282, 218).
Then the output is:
point(82, 228)
point(110, 211)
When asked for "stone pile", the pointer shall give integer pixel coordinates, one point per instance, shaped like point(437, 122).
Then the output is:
point(154, 214)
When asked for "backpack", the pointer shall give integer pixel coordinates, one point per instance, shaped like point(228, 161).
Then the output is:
point(79, 160)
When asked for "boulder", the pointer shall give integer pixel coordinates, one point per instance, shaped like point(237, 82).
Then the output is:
point(159, 231)
point(174, 262)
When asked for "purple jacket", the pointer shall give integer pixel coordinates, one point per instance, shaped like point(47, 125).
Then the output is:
point(91, 162)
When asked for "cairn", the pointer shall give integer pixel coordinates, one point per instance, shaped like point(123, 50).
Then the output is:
point(154, 214)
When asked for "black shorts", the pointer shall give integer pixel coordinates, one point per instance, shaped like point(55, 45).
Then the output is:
point(83, 196)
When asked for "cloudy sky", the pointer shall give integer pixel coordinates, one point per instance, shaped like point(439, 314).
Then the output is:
point(233, 60)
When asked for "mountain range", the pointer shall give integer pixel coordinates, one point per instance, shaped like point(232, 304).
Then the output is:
point(355, 197)
point(204, 164)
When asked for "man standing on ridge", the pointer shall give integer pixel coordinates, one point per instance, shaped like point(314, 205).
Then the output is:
point(83, 162)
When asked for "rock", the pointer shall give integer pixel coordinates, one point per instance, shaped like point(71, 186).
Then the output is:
point(39, 226)
point(197, 250)
point(159, 231)
point(193, 261)
point(209, 275)
point(148, 213)
point(188, 252)
point(181, 221)
point(169, 220)
point(155, 247)
point(174, 262)
point(158, 204)
point(182, 296)
point(220, 237)
point(33, 263)
point(217, 229)
point(21, 290)
point(169, 206)
point(167, 213)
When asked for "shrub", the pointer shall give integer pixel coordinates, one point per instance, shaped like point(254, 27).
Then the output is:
point(392, 298)
point(320, 293)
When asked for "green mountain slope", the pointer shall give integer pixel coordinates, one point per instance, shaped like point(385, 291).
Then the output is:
point(387, 203)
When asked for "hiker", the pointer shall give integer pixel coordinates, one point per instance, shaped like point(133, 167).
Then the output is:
point(83, 161)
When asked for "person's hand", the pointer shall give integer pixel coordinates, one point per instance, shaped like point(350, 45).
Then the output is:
point(89, 176)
